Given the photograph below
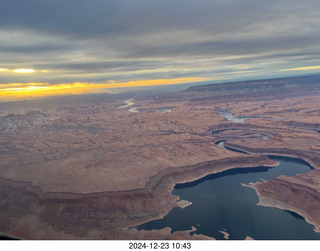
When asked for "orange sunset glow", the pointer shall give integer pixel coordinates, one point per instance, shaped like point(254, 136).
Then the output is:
point(16, 91)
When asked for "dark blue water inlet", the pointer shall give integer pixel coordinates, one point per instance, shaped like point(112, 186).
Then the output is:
point(221, 203)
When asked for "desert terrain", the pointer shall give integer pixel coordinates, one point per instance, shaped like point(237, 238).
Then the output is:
point(96, 168)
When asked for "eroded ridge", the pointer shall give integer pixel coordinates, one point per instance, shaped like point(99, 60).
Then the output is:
point(72, 170)
point(74, 215)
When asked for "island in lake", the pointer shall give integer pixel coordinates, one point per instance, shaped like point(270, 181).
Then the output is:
point(131, 166)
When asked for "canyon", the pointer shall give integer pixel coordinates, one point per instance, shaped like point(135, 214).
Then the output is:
point(94, 169)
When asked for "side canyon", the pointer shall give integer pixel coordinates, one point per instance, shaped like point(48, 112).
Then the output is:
point(95, 168)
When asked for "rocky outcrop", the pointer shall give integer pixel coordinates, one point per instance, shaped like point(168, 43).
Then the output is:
point(12, 121)
point(107, 212)
point(299, 194)
point(86, 170)
point(310, 157)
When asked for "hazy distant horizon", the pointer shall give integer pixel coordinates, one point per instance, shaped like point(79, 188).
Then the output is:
point(138, 90)
point(79, 47)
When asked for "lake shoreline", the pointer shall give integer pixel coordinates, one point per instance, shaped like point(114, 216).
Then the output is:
point(157, 193)
point(225, 173)
point(269, 202)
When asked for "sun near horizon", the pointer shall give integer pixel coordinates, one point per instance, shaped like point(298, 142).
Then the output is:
point(20, 91)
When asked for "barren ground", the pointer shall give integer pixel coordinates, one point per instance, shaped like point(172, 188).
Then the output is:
point(92, 170)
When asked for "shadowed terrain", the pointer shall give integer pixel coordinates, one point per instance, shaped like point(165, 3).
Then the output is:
point(95, 169)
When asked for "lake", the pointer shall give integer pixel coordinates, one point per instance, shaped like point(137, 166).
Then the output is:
point(221, 203)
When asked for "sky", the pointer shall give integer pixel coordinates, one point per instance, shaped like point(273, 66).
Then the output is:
point(80, 46)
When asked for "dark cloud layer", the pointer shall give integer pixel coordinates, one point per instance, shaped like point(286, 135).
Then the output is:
point(97, 17)
point(98, 40)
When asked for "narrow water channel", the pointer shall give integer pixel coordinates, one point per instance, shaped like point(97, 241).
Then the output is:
point(221, 203)
point(241, 119)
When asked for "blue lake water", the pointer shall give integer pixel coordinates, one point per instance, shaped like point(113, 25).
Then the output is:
point(220, 202)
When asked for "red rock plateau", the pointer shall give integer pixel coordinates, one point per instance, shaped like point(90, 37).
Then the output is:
point(96, 167)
